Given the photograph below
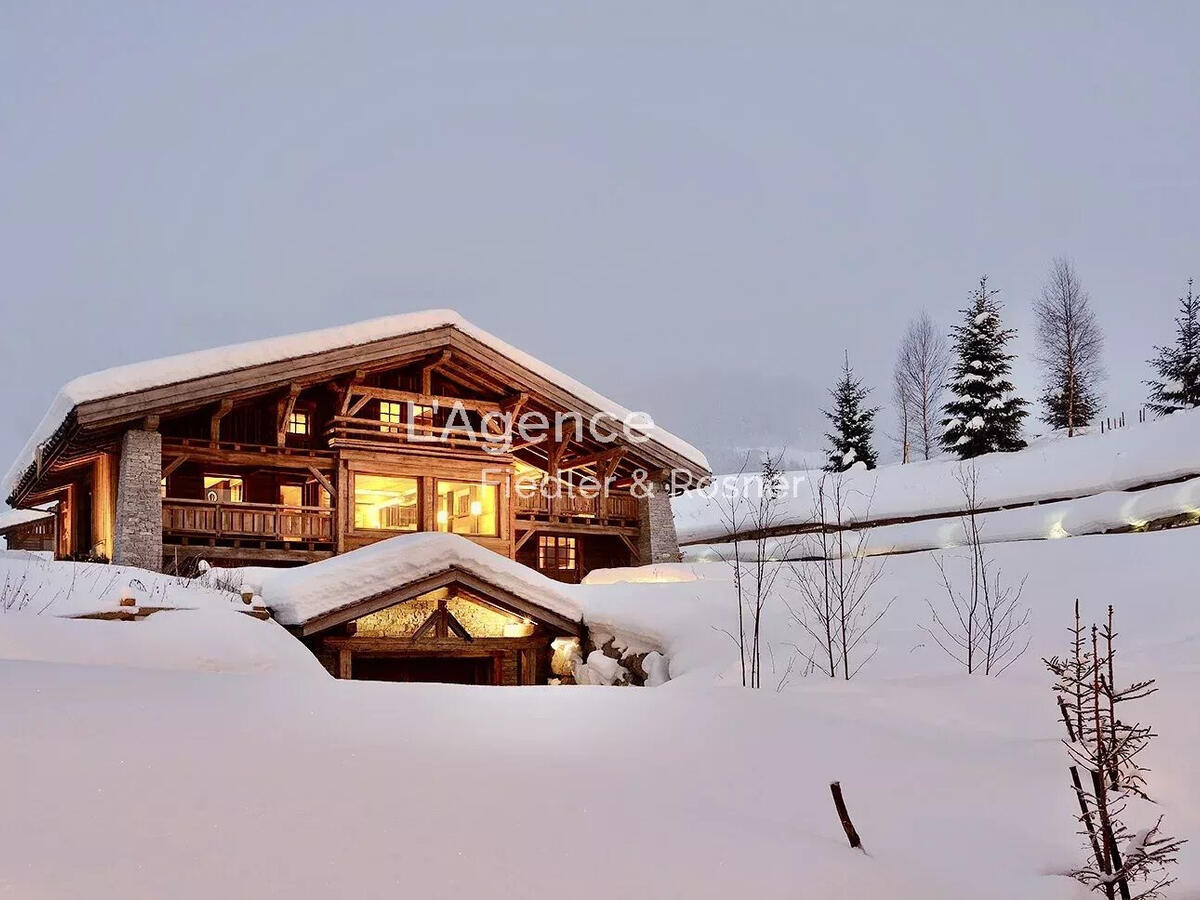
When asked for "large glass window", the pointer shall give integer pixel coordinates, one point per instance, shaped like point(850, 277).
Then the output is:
point(465, 507)
point(386, 503)
point(222, 489)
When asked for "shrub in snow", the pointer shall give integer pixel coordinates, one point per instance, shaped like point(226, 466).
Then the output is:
point(986, 628)
point(833, 599)
point(1102, 742)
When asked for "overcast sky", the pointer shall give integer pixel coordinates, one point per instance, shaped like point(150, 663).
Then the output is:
point(694, 208)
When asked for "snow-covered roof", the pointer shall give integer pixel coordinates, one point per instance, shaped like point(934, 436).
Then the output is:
point(299, 595)
point(187, 366)
point(11, 518)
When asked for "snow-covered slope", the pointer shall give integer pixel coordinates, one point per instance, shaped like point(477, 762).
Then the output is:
point(121, 785)
point(1049, 471)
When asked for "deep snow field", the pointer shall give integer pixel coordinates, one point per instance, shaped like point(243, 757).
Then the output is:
point(129, 769)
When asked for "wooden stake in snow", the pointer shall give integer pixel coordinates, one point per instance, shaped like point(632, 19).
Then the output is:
point(847, 826)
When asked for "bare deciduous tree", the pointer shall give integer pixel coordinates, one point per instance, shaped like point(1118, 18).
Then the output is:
point(836, 606)
point(917, 384)
point(1070, 350)
point(986, 627)
point(751, 514)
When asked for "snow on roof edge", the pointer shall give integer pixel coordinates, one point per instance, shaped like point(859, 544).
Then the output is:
point(215, 361)
point(10, 518)
point(301, 594)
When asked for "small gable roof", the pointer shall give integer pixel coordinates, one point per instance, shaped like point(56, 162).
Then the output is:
point(312, 597)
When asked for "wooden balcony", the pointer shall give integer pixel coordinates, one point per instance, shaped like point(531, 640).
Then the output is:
point(202, 521)
point(616, 507)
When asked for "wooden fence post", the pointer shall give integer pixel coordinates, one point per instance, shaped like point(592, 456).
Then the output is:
point(847, 826)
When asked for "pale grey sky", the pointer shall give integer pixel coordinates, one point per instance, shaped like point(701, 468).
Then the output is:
point(693, 207)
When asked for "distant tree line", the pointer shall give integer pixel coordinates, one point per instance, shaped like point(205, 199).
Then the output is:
point(955, 394)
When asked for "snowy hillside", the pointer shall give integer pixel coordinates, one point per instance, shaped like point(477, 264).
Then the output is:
point(1055, 488)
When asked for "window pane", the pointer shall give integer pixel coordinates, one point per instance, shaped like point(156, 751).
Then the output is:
point(291, 494)
point(298, 423)
point(556, 552)
point(222, 489)
point(391, 412)
point(467, 508)
point(383, 502)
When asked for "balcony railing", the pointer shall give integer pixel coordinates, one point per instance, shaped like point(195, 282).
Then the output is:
point(258, 521)
point(577, 505)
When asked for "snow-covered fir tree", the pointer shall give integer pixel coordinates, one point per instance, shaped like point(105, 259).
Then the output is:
point(983, 415)
point(853, 424)
point(1178, 366)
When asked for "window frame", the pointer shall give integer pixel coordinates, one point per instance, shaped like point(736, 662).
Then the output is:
point(561, 551)
point(299, 423)
point(492, 486)
point(420, 504)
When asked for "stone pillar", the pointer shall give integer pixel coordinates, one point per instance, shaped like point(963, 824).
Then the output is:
point(137, 536)
point(657, 542)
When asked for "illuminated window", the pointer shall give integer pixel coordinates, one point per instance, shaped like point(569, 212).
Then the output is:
point(392, 414)
point(465, 507)
point(291, 494)
point(556, 552)
point(162, 488)
point(385, 503)
point(222, 489)
point(297, 423)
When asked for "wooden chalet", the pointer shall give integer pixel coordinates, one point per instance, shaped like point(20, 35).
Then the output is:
point(297, 449)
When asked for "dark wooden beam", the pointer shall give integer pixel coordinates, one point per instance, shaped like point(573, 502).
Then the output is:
point(324, 482)
point(591, 459)
point(214, 421)
point(287, 404)
point(173, 465)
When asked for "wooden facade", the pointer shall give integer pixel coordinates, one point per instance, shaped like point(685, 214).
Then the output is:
point(297, 460)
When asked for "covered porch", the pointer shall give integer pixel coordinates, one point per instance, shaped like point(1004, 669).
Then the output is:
point(452, 627)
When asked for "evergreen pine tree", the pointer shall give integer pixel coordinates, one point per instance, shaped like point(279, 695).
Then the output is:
point(1178, 367)
point(983, 416)
point(853, 424)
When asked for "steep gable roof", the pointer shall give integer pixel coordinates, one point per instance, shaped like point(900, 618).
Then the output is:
point(176, 370)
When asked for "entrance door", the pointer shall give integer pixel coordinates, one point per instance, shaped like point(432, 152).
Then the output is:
point(443, 669)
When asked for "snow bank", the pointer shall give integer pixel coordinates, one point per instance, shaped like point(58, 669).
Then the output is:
point(183, 367)
point(186, 624)
point(1150, 578)
point(199, 640)
point(1054, 470)
point(1099, 513)
point(33, 584)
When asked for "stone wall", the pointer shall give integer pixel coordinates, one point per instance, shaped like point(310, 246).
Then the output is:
point(657, 541)
point(137, 537)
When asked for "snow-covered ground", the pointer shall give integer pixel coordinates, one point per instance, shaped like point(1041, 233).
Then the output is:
point(278, 781)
